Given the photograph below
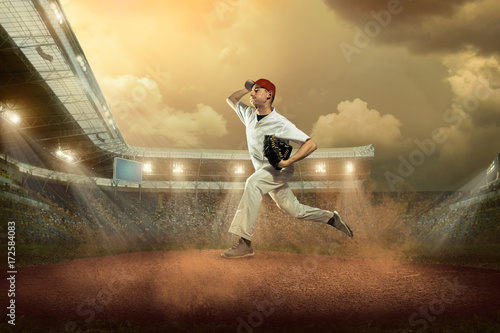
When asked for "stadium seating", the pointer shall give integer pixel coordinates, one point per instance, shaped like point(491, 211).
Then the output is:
point(78, 214)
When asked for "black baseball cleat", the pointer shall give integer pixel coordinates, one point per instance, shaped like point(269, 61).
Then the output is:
point(336, 222)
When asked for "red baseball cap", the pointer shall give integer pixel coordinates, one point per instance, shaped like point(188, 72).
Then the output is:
point(264, 83)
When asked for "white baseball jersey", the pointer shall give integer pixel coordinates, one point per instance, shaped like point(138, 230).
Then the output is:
point(273, 123)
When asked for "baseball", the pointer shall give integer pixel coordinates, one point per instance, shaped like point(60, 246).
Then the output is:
point(249, 84)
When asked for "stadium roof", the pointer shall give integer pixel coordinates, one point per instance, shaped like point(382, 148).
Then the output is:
point(46, 81)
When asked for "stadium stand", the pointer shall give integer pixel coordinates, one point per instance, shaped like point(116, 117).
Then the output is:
point(79, 214)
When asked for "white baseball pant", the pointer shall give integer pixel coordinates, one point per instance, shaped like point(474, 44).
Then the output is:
point(268, 180)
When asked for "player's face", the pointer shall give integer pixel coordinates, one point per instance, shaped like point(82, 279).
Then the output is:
point(259, 96)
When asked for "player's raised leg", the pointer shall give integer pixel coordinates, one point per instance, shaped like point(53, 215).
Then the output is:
point(288, 202)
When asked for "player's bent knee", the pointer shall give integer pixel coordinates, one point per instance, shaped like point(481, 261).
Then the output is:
point(252, 184)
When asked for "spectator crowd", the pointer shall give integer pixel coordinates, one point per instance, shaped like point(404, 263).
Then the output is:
point(87, 214)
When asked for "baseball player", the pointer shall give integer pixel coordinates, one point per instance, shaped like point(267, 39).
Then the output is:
point(262, 119)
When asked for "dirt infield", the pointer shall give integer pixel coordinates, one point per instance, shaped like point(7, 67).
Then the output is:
point(200, 286)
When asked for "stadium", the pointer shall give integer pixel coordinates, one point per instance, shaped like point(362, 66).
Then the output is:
point(105, 236)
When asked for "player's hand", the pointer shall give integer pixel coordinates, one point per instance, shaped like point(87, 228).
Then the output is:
point(284, 163)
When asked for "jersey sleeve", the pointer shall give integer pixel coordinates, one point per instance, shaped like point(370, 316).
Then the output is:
point(243, 111)
point(290, 132)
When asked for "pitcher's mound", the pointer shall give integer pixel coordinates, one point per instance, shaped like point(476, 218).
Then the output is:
point(200, 286)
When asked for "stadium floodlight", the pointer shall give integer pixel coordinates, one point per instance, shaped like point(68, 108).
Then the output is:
point(14, 118)
point(349, 168)
point(57, 13)
point(178, 168)
point(321, 168)
point(147, 168)
point(239, 170)
point(11, 116)
point(80, 60)
point(65, 155)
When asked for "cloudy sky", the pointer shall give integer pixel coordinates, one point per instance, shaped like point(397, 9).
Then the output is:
point(418, 79)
